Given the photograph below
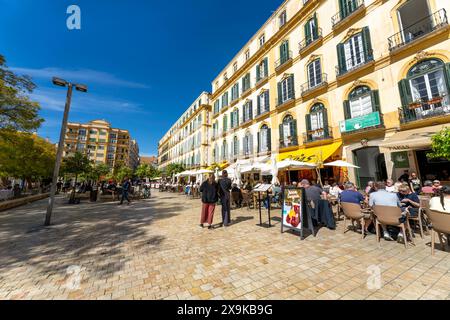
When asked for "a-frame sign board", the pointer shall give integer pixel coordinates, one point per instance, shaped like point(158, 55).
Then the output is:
point(294, 214)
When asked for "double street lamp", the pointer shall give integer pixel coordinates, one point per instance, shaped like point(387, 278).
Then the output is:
point(70, 86)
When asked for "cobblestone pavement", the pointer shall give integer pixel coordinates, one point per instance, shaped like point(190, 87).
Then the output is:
point(155, 249)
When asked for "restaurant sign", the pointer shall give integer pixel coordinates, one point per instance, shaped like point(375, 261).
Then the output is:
point(369, 120)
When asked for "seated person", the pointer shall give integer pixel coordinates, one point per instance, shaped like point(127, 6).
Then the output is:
point(236, 190)
point(350, 195)
point(428, 187)
point(410, 201)
point(441, 203)
point(370, 187)
point(335, 191)
point(384, 198)
point(437, 186)
point(390, 187)
point(326, 187)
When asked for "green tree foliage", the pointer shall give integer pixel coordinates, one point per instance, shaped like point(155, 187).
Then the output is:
point(98, 171)
point(17, 111)
point(174, 168)
point(26, 156)
point(123, 172)
point(78, 164)
point(441, 145)
point(147, 171)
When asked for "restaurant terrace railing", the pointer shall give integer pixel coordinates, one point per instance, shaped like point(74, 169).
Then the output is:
point(350, 8)
point(308, 86)
point(419, 29)
point(436, 107)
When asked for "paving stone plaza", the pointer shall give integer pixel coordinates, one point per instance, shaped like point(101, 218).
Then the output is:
point(154, 249)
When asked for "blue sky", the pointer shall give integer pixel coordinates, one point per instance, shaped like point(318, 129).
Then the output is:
point(144, 61)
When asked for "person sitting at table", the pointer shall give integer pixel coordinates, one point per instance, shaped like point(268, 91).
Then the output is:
point(370, 187)
point(441, 203)
point(410, 201)
point(326, 187)
point(390, 187)
point(235, 189)
point(437, 186)
point(351, 195)
point(428, 187)
point(383, 198)
point(335, 191)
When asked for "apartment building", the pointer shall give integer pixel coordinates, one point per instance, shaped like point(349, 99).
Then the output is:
point(366, 81)
point(102, 143)
point(187, 142)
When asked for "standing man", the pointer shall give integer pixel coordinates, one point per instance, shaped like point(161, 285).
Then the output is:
point(224, 193)
point(126, 186)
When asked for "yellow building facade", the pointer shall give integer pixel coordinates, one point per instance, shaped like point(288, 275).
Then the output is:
point(102, 143)
point(187, 142)
point(363, 81)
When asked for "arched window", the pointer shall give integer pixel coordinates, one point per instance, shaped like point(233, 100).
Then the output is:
point(288, 132)
point(317, 123)
point(361, 102)
point(424, 92)
point(311, 30)
point(248, 111)
point(264, 139)
point(234, 118)
point(248, 143)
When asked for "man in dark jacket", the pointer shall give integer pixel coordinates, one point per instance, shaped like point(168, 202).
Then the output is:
point(209, 190)
point(126, 186)
point(224, 193)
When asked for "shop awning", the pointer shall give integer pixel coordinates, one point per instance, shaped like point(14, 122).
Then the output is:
point(411, 139)
point(312, 155)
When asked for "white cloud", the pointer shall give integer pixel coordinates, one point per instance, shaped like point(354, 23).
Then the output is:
point(84, 76)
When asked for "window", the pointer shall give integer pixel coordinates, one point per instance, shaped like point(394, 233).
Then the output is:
point(311, 30)
point(355, 51)
point(234, 119)
point(284, 52)
point(425, 90)
point(217, 85)
point(101, 147)
point(225, 100)
point(92, 132)
point(288, 132)
point(235, 148)
point(246, 82)
point(263, 103)
point(317, 123)
point(103, 133)
point(110, 156)
point(264, 139)
point(247, 55)
point(224, 150)
point(82, 132)
point(361, 102)
point(262, 70)
point(80, 147)
point(92, 140)
point(286, 90)
point(216, 106)
point(248, 144)
point(225, 123)
point(347, 7)
point(262, 40)
point(235, 67)
point(235, 92)
point(314, 74)
point(225, 77)
point(282, 19)
point(248, 111)
point(111, 149)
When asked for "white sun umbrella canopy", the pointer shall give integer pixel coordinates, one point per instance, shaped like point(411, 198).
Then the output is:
point(290, 164)
point(237, 175)
point(274, 170)
point(341, 163)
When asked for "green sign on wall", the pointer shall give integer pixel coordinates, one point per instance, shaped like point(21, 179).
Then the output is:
point(369, 120)
point(400, 159)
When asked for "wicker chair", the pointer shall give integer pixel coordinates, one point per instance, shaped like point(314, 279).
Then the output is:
point(441, 225)
point(391, 216)
point(247, 198)
point(353, 212)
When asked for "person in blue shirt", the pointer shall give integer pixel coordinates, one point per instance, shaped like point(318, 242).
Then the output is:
point(409, 200)
point(350, 195)
point(126, 186)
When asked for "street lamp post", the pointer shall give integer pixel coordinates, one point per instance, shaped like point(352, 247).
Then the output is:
point(78, 87)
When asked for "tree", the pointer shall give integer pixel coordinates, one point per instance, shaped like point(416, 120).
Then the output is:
point(441, 145)
point(97, 171)
point(143, 171)
point(17, 111)
point(76, 165)
point(174, 168)
point(26, 156)
point(123, 172)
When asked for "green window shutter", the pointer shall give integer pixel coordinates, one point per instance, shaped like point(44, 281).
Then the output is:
point(343, 9)
point(316, 27)
point(308, 122)
point(294, 130)
point(347, 112)
point(237, 90)
point(291, 91)
point(258, 105)
point(251, 109)
point(325, 122)
point(267, 101)
point(258, 73)
point(375, 96)
point(280, 132)
point(405, 92)
point(266, 67)
point(447, 75)
point(308, 32)
point(280, 97)
point(341, 58)
point(269, 139)
point(259, 142)
point(367, 44)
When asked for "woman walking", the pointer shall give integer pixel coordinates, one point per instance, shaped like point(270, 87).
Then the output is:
point(209, 190)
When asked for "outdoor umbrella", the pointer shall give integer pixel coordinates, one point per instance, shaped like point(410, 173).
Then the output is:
point(274, 170)
point(237, 175)
point(290, 164)
point(342, 164)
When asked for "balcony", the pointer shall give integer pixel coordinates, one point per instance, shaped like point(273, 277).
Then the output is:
point(307, 42)
point(245, 120)
point(285, 102)
point(317, 135)
point(352, 64)
point(263, 112)
point(421, 28)
point(347, 11)
point(307, 87)
point(283, 62)
point(289, 142)
point(261, 80)
point(421, 110)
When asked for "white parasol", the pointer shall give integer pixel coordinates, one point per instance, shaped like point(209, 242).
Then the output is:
point(290, 164)
point(274, 170)
point(342, 164)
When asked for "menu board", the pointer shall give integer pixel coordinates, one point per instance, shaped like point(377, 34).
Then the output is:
point(293, 209)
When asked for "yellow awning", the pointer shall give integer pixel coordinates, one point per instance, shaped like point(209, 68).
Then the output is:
point(222, 166)
point(312, 155)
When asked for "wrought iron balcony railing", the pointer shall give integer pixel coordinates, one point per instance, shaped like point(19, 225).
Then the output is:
point(283, 60)
point(419, 29)
point(420, 110)
point(282, 102)
point(289, 142)
point(320, 81)
point(317, 135)
point(350, 7)
point(352, 63)
point(307, 41)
